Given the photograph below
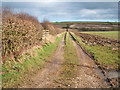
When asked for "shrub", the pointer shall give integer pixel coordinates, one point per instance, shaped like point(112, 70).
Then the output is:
point(20, 31)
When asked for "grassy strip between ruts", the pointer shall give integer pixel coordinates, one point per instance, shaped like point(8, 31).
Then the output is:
point(102, 54)
point(69, 68)
point(15, 72)
point(70, 57)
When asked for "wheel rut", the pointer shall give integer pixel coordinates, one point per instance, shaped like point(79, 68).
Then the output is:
point(51, 70)
point(90, 76)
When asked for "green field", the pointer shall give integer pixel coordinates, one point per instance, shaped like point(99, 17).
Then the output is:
point(108, 34)
point(102, 54)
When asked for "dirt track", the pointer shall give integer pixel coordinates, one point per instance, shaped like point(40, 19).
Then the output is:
point(89, 75)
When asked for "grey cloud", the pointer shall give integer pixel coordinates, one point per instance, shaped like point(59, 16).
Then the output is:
point(68, 11)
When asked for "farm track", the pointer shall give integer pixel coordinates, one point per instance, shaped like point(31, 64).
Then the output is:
point(89, 75)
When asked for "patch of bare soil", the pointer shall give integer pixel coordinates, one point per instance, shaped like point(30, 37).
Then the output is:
point(44, 77)
point(94, 39)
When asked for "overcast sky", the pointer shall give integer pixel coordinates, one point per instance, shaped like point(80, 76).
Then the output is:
point(68, 11)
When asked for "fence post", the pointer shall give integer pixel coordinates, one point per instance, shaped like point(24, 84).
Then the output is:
point(45, 35)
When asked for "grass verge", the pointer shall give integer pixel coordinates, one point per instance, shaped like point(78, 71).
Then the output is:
point(104, 55)
point(32, 61)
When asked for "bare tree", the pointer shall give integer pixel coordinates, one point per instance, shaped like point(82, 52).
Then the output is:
point(45, 24)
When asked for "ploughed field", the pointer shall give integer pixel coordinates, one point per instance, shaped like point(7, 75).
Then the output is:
point(108, 34)
point(90, 26)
